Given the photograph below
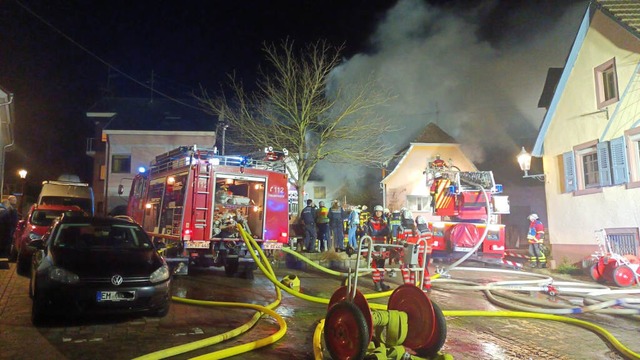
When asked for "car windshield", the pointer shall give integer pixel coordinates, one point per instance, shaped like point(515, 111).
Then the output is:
point(83, 203)
point(89, 236)
point(46, 217)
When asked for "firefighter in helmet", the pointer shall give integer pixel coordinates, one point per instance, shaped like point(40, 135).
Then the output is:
point(438, 163)
point(364, 218)
point(435, 188)
point(378, 228)
point(535, 237)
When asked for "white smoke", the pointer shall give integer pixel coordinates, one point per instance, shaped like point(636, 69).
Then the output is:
point(483, 95)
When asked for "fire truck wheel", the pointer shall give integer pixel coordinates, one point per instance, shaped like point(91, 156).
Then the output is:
point(623, 276)
point(231, 267)
point(345, 331)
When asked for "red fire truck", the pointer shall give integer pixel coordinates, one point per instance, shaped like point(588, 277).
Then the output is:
point(191, 200)
point(468, 204)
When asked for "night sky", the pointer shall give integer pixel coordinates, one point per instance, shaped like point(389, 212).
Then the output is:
point(56, 54)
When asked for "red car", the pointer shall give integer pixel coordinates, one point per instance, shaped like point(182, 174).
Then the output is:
point(32, 227)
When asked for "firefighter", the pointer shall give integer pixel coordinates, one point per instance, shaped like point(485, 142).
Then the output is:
point(354, 223)
point(364, 219)
point(395, 224)
point(407, 227)
point(336, 218)
point(438, 163)
point(378, 228)
point(322, 220)
point(535, 236)
point(308, 219)
point(409, 270)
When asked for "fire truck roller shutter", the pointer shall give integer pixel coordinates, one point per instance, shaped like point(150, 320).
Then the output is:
point(464, 236)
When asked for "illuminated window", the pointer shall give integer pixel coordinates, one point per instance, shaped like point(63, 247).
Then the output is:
point(319, 192)
point(606, 83)
point(418, 202)
point(121, 164)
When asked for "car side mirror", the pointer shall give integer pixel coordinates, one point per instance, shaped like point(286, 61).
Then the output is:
point(37, 244)
point(120, 189)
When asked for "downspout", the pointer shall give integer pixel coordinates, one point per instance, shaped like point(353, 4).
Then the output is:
point(6, 148)
point(106, 176)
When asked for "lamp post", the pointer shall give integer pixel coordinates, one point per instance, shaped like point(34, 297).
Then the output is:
point(524, 160)
point(23, 177)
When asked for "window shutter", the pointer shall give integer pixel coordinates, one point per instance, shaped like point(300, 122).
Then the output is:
point(569, 172)
point(604, 165)
point(619, 167)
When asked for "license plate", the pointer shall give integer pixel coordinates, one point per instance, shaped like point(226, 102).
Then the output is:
point(271, 245)
point(463, 249)
point(115, 296)
point(196, 244)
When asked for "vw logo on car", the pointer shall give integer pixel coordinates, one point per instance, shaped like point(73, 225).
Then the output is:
point(116, 280)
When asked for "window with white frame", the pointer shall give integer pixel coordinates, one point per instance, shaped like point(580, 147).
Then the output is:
point(418, 202)
point(606, 79)
point(631, 158)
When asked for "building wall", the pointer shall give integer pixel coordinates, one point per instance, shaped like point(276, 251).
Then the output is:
point(572, 219)
point(408, 177)
point(143, 148)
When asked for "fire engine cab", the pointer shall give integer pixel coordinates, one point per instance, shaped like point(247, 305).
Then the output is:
point(191, 201)
point(469, 206)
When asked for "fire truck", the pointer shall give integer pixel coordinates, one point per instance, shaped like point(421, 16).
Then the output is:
point(191, 200)
point(469, 205)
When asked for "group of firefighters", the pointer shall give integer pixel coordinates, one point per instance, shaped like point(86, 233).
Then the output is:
point(326, 226)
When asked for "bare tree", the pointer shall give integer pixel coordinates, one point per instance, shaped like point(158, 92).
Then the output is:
point(300, 105)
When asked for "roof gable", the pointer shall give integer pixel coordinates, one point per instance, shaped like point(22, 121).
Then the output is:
point(153, 115)
point(432, 134)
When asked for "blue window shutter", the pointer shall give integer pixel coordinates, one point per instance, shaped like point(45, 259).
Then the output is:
point(604, 165)
point(569, 172)
point(619, 166)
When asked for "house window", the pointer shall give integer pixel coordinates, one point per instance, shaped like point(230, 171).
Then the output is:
point(587, 168)
point(631, 159)
point(623, 241)
point(418, 202)
point(120, 164)
point(590, 169)
point(606, 83)
point(319, 192)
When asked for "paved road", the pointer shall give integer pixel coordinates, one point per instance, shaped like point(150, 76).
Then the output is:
point(125, 338)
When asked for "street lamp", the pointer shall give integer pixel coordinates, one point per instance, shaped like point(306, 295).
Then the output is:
point(524, 160)
point(23, 177)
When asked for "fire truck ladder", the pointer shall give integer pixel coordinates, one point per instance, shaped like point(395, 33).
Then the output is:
point(201, 195)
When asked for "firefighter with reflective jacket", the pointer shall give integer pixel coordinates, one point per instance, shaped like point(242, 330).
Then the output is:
point(535, 236)
point(364, 219)
point(378, 228)
point(395, 224)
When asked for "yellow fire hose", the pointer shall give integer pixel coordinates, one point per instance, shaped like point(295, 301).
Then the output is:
point(264, 265)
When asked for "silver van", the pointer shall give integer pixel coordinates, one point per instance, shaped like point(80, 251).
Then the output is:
point(67, 193)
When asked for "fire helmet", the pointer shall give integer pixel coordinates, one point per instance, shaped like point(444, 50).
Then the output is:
point(378, 208)
point(533, 217)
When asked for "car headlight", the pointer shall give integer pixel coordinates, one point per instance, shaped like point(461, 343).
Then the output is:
point(34, 236)
point(161, 274)
point(63, 276)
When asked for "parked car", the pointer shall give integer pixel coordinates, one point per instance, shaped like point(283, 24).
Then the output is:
point(96, 265)
point(32, 227)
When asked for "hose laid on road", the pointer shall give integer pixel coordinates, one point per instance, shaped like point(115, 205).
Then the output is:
point(239, 349)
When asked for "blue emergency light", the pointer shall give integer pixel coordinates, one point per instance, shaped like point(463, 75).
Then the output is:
point(452, 189)
point(142, 169)
point(498, 188)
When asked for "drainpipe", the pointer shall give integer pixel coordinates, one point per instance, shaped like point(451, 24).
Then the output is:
point(7, 147)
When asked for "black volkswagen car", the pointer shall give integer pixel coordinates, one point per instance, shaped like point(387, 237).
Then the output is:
point(99, 266)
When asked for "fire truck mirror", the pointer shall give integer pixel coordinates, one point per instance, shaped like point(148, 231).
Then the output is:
point(120, 189)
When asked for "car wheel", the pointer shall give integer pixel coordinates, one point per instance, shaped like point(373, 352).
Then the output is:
point(22, 265)
point(13, 253)
point(38, 310)
point(164, 310)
